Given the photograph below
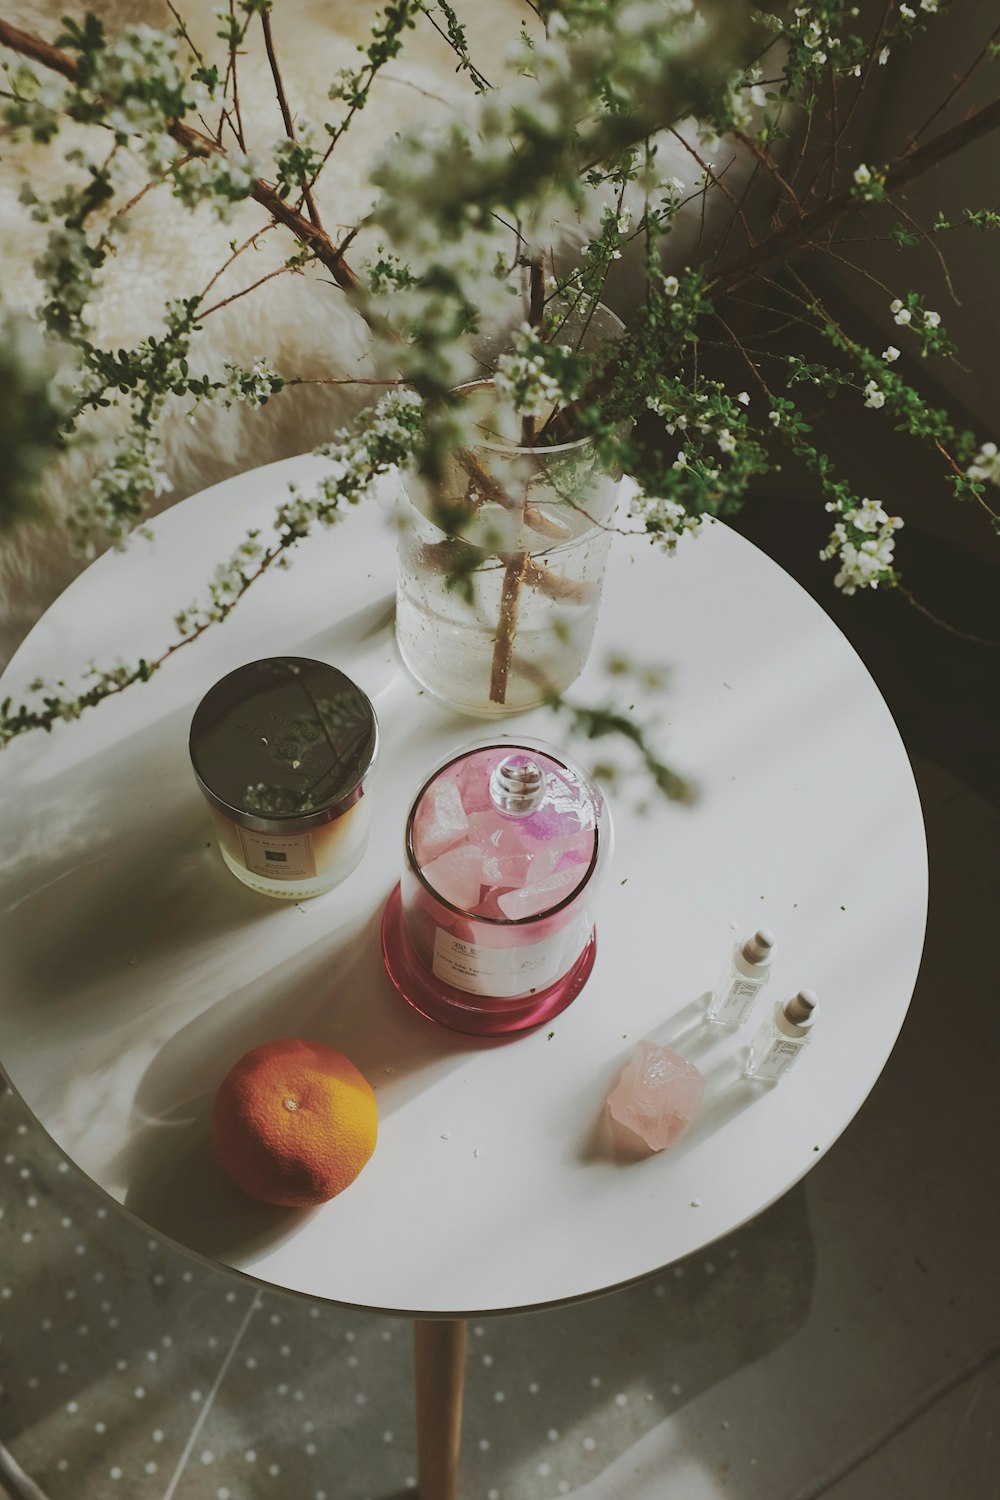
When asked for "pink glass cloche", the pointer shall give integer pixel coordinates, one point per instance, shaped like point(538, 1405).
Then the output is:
point(491, 928)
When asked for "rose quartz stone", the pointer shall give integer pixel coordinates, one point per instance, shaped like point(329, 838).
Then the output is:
point(657, 1095)
point(474, 780)
point(440, 822)
point(457, 875)
point(542, 896)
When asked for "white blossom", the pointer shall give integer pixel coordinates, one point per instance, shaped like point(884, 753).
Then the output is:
point(932, 319)
point(870, 516)
point(671, 285)
point(666, 519)
point(874, 395)
point(986, 465)
point(862, 175)
point(863, 542)
point(891, 354)
point(726, 441)
point(744, 398)
point(883, 57)
point(523, 377)
point(253, 386)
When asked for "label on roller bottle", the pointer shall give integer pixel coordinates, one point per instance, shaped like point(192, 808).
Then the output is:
point(736, 1000)
point(775, 1059)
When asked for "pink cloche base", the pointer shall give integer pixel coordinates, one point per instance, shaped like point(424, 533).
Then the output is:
point(478, 1014)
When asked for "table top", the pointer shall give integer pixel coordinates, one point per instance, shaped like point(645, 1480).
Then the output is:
point(137, 969)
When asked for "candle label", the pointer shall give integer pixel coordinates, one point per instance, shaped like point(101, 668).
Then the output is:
point(505, 972)
point(288, 856)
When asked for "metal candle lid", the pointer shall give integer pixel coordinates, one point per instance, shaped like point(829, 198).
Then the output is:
point(283, 744)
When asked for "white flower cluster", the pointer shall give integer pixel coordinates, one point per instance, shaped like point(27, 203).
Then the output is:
point(874, 394)
point(228, 582)
point(66, 270)
point(138, 77)
point(222, 178)
point(902, 315)
point(814, 34)
point(864, 541)
point(253, 386)
point(440, 190)
point(666, 519)
point(384, 441)
point(118, 493)
point(673, 190)
point(249, 552)
point(673, 421)
point(986, 465)
point(869, 182)
point(38, 102)
point(524, 379)
point(745, 96)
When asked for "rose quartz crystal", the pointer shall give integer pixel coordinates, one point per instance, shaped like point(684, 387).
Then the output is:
point(457, 875)
point(657, 1095)
point(441, 820)
point(529, 900)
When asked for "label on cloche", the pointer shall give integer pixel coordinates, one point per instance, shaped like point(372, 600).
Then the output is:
point(506, 972)
point(288, 856)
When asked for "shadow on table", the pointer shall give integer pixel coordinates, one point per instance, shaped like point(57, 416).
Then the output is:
point(335, 992)
point(122, 870)
point(727, 1092)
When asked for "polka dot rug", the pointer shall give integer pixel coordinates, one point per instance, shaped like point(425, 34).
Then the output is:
point(129, 1370)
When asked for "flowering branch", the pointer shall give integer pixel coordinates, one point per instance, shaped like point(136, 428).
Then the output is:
point(198, 144)
point(465, 218)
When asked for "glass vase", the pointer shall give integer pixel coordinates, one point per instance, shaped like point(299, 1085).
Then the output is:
point(501, 564)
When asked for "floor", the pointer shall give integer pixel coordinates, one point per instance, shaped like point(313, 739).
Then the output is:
point(846, 1344)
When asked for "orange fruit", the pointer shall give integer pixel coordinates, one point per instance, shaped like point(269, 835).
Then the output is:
point(294, 1122)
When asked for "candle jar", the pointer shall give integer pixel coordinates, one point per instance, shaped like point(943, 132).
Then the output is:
point(282, 750)
point(491, 928)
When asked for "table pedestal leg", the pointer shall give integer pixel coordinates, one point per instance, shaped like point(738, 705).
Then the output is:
point(439, 1359)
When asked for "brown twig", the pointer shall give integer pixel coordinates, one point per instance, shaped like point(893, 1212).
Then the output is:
point(286, 114)
point(244, 291)
point(247, 244)
point(765, 160)
point(554, 586)
point(198, 144)
point(503, 646)
point(232, 76)
point(147, 188)
point(911, 164)
point(536, 311)
point(963, 635)
point(960, 83)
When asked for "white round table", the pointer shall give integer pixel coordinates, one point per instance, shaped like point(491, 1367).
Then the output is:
point(137, 969)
